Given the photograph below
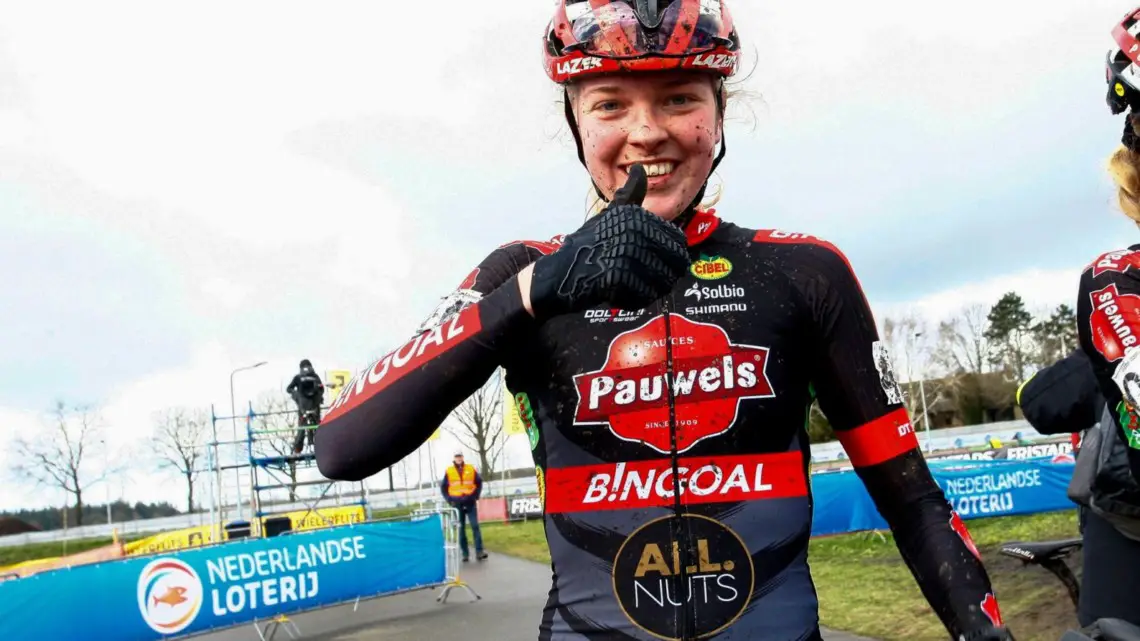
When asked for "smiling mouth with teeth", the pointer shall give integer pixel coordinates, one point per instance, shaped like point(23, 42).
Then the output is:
point(655, 169)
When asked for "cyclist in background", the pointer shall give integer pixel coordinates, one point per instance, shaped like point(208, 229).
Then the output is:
point(1064, 398)
point(1108, 303)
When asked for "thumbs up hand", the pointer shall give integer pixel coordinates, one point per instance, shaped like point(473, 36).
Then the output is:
point(625, 257)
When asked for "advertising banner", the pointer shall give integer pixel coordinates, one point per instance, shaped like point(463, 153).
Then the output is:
point(229, 584)
point(193, 537)
point(974, 488)
point(524, 508)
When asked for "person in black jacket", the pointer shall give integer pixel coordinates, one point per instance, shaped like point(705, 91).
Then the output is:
point(1065, 398)
point(308, 392)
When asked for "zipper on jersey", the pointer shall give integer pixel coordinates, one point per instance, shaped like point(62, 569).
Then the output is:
point(687, 624)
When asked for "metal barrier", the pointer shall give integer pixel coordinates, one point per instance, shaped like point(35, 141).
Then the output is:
point(451, 551)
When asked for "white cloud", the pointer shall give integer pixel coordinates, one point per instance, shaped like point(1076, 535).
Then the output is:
point(1041, 289)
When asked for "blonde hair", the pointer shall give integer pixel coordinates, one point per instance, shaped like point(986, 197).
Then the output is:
point(1124, 167)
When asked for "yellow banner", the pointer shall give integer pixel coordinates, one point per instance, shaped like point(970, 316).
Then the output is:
point(512, 422)
point(299, 520)
point(168, 541)
point(26, 565)
point(325, 517)
point(335, 380)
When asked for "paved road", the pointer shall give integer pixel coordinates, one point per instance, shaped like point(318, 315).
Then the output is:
point(513, 591)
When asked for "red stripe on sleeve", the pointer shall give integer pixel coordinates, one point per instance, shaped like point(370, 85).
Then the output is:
point(426, 346)
point(879, 440)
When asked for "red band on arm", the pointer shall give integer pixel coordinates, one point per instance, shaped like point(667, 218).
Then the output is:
point(879, 440)
point(426, 346)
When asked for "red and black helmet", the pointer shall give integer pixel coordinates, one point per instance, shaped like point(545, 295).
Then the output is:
point(1122, 68)
point(605, 36)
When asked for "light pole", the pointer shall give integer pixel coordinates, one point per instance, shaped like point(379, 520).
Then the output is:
point(233, 424)
point(107, 464)
point(922, 393)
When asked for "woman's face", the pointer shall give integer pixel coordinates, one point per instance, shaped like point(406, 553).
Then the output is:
point(668, 122)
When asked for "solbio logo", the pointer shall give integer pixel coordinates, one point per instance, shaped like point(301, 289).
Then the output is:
point(654, 577)
point(711, 267)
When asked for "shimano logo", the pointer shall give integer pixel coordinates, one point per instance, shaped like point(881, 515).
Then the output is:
point(720, 292)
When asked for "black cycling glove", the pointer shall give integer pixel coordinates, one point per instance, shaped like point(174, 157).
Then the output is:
point(624, 257)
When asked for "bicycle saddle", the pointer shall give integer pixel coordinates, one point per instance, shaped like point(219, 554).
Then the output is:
point(1041, 551)
point(1117, 630)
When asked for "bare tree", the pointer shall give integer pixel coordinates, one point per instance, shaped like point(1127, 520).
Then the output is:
point(962, 344)
point(480, 424)
point(276, 413)
point(64, 453)
point(179, 443)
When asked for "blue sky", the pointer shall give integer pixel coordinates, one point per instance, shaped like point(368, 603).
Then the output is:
point(171, 210)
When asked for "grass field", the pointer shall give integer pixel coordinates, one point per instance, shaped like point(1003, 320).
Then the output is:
point(20, 553)
point(864, 588)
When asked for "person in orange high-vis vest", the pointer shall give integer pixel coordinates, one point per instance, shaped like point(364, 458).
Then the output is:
point(461, 488)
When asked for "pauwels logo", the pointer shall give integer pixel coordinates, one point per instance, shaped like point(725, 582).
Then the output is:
point(711, 375)
point(711, 267)
point(1113, 322)
point(1118, 261)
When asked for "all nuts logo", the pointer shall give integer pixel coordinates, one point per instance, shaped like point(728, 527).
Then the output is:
point(712, 576)
point(711, 375)
point(711, 267)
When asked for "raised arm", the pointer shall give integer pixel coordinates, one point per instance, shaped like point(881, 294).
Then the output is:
point(390, 408)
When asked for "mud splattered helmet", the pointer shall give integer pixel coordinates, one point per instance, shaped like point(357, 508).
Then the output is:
point(1122, 68)
point(588, 37)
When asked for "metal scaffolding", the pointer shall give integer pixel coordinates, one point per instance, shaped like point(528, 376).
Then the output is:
point(265, 475)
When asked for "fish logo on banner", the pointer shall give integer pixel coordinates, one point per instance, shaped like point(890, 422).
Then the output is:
point(170, 595)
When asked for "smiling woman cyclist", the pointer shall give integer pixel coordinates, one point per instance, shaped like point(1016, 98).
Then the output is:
point(665, 360)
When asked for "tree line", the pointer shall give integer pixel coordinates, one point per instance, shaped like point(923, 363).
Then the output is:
point(970, 364)
point(64, 517)
point(69, 453)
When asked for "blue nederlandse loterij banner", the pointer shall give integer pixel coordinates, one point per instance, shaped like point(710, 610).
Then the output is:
point(216, 587)
point(974, 488)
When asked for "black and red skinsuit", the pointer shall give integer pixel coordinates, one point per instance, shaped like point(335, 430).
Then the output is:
point(1108, 326)
point(683, 510)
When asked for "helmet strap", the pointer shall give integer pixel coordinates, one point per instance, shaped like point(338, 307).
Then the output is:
point(1129, 139)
